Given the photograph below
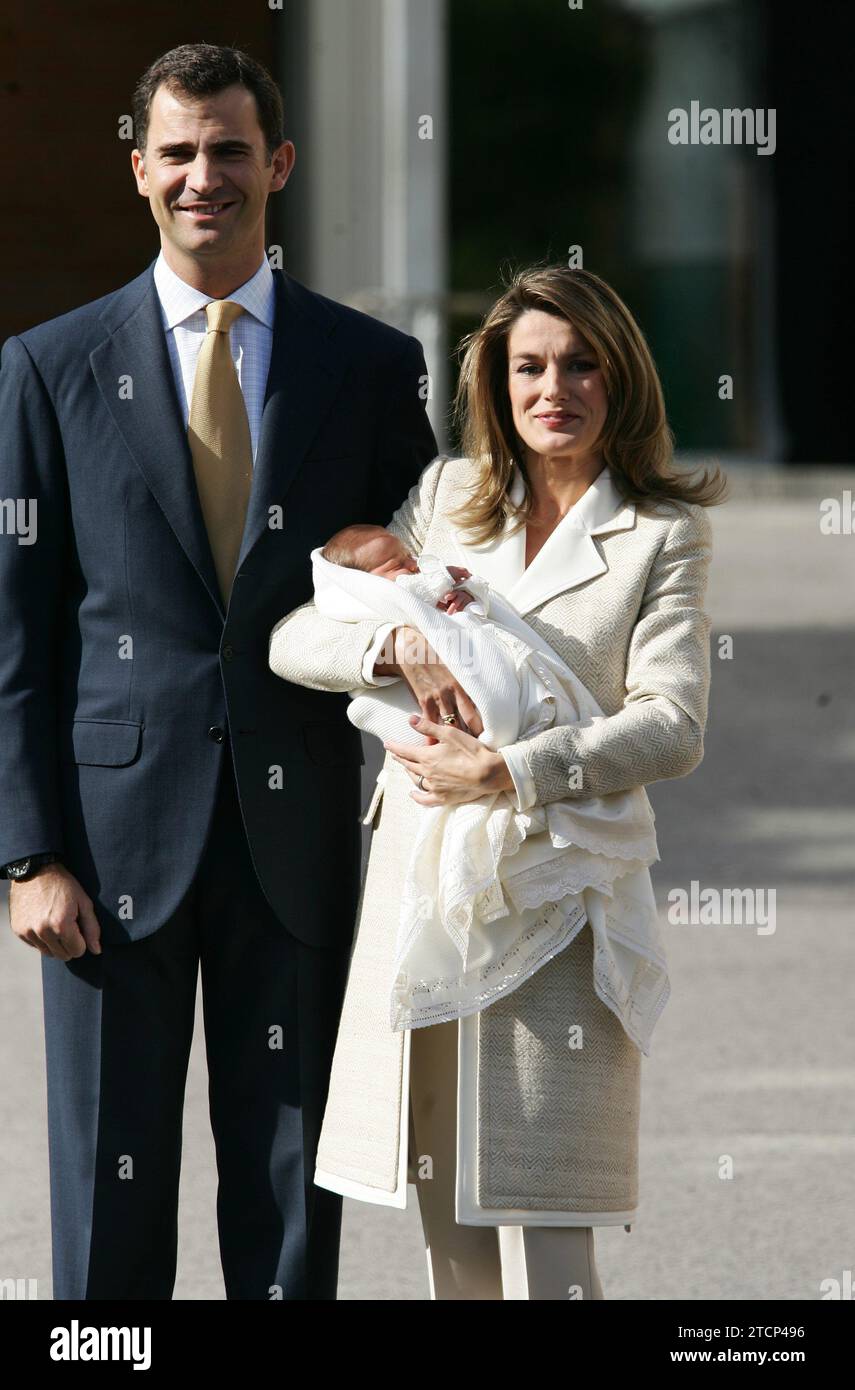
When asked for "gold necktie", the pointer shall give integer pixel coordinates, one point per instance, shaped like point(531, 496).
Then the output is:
point(220, 442)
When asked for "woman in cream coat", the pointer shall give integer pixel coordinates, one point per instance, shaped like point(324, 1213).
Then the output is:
point(519, 1125)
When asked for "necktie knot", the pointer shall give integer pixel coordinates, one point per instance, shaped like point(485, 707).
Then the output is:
point(221, 314)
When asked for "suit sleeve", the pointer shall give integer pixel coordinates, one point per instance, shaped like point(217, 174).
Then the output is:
point(323, 653)
point(33, 490)
point(659, 732)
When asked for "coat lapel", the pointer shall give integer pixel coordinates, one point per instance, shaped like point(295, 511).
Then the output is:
point(149, 419)
point(303, 380)
point(568, 558)
point(301, 384)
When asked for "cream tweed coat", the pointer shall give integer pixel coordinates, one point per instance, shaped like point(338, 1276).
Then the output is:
point(547, 1133)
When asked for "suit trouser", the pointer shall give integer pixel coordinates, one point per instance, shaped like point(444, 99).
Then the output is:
point(118, 1030)
point(479, 1262)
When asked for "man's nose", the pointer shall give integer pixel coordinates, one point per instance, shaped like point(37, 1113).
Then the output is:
point(203, 175)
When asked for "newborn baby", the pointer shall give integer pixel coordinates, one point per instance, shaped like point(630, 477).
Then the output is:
point(375, 550)
point(492, 893)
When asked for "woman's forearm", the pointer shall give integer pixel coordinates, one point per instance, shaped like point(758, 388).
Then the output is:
point(404, 646)
point(321, 653)
point(659, 731)
point(644, 742)
point(388, 667)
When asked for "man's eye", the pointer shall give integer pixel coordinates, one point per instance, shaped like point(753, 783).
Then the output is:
point(183, 155)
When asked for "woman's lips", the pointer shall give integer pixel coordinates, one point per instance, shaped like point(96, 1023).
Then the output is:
point(556, 421)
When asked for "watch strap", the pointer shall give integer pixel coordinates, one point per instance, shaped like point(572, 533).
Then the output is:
point(33, 861)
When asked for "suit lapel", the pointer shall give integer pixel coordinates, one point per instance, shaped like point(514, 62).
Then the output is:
point(302, 382)
point(150, 420)
point(569, 557)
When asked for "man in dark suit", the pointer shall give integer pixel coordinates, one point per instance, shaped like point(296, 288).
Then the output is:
point(178, 448)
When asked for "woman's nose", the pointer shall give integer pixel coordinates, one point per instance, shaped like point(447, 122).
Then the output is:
point(554, 384)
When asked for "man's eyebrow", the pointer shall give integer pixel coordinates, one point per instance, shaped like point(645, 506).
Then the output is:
point(178, 145)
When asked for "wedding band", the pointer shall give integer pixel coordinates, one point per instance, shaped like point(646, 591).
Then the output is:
point(421, 782)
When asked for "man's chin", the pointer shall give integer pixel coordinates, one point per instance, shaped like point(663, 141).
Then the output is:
point(199, 241)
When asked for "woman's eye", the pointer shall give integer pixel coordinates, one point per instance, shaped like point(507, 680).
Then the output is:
point(581, 366)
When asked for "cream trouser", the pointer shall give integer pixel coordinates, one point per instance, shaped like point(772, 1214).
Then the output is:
point(479, 1262)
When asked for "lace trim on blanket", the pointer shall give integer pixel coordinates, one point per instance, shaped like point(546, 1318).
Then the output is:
point(456, 996)
point(576, 835)
point(637, 1007)
point(543, 881)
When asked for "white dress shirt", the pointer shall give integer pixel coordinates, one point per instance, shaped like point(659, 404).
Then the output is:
point(250, 336)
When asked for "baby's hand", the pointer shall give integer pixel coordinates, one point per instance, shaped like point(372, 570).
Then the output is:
point(455, 601)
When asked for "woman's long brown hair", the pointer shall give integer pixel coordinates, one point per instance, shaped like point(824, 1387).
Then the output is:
point(636, 442)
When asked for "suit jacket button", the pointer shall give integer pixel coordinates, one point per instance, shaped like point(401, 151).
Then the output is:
point(216, 733)
point(228, 652)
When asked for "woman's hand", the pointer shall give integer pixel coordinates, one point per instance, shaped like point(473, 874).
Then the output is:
point(431, 682)
point(455, 766)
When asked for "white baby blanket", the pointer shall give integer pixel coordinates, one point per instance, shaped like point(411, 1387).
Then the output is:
point(492, 893)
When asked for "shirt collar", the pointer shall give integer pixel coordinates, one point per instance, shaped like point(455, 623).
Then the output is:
point(178, 300)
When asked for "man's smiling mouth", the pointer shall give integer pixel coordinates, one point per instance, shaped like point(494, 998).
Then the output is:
point(202, 209)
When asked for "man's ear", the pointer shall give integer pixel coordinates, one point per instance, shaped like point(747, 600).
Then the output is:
point(138, 166)
point(284, 159)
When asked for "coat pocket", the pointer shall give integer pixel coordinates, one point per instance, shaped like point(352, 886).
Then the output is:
point(106, 742)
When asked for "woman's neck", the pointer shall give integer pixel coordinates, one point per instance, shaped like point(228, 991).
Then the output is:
point(557, 485)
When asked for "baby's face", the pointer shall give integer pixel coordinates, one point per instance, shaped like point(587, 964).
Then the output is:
point(388, 557)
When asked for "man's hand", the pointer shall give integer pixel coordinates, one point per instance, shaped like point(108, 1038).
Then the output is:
point(431, 682)
point(51, 912)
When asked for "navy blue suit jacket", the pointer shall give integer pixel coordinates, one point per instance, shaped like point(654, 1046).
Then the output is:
point(122, 679)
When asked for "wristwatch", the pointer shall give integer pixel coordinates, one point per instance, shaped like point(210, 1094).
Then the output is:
point(21, 869)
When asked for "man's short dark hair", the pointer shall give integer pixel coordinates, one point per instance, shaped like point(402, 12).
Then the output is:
point(201, 70)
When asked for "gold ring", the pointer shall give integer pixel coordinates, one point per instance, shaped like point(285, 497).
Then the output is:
point(449, 718)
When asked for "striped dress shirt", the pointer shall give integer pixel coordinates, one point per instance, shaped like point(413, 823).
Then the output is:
point(250, 336)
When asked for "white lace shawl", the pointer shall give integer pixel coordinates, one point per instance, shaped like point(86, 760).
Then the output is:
point(491, 893)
